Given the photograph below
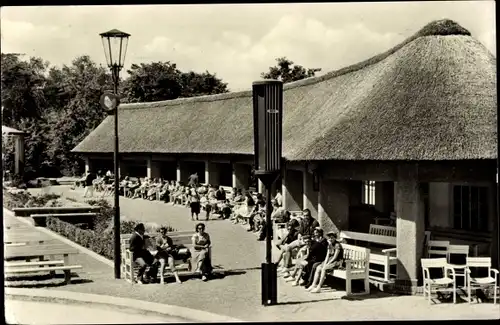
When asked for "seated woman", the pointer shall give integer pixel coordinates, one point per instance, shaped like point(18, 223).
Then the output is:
point(300, 263)
point(167, 253)
point(151, 191)
point(201, 244)
point(334, 260)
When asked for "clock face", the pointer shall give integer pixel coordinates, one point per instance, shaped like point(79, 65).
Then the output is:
point(109, 101)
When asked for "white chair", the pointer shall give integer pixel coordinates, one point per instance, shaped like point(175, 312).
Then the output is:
point(481, 282)
point(437, 248)
point(438, 283)
point(457, 259)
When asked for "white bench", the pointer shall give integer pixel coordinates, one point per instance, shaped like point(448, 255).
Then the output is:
point(24, 268)
point(382, 230)
point(386, 258)
point(129, 267)
point(357, 262)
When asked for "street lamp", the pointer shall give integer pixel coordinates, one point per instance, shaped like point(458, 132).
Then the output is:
point(115, 47)
point(267, 123)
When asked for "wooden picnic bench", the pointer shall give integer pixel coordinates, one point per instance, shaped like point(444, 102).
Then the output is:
point(23, 264)
point(179, 238)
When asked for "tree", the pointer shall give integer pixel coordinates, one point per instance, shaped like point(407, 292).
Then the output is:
point(286, 71)
point(74, 93)
point(158, 81)
point(22, 88)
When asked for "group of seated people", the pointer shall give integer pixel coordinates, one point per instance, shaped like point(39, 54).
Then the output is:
point(153, 256)
point(316, 254)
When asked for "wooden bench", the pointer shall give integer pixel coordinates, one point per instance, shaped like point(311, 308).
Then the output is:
point(386, 257)
point(356, 268)
point(43, 266)
point(128, 266)
point(382, 230)
point(23, 255)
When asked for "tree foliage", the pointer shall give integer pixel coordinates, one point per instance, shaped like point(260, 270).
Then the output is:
point(158, 81)
point(286, 71)
point(59, 106)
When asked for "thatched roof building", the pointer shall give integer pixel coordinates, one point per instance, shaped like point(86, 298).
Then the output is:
point(433, 97)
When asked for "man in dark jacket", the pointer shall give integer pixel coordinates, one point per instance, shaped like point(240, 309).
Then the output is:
point(140, 255)
point(220, 195)
point(89, 184)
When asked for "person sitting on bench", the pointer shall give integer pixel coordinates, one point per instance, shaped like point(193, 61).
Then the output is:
point(167, 253)
point(307, 226)
point(334, 260)
point(140, 254)
point(220, 195)
point(291, 236)
point(316, 256)
point(300, 263)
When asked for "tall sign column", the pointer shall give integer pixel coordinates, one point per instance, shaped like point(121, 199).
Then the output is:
point(268, 120)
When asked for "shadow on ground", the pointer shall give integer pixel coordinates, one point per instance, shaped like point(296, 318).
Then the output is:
point(42, 281)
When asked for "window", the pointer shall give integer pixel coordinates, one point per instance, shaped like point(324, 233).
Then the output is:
point(368, 192)
point(470, 208)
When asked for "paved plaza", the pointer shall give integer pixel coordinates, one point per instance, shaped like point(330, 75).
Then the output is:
point(238, 293)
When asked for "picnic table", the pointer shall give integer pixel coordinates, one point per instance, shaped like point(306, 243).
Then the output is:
point(24, 245)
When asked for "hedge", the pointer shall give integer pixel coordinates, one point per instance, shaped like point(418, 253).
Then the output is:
point(102, 244)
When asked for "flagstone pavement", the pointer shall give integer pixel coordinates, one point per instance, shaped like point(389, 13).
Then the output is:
point(238, 293)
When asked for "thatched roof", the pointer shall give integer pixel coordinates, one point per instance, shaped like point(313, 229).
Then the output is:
point(433, 97)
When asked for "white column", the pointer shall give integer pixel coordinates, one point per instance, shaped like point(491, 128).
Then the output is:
point(410, 226)
point(87, 164)
point(150, 167)
point(207, 172)
point(178, 172)
point(19, 155)
point(310, 197)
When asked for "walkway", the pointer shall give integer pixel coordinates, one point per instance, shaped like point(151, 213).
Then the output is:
point(57, 313)
point(238, 294)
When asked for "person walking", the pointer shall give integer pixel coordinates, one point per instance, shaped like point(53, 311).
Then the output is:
point(89, 184)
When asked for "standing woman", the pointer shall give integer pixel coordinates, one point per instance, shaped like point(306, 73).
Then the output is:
point(194, 203)
point(201, 244)
point(334, 260)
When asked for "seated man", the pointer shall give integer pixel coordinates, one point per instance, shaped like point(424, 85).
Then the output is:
point(140, 255)
point(220, 195)
point(226, 210)
point(307, 226)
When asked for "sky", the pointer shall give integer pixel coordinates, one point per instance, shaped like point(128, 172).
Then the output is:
point(236, 41)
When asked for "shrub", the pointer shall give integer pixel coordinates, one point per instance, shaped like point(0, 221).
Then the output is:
point(98, 242)
point(101, 244)
point(25, 199)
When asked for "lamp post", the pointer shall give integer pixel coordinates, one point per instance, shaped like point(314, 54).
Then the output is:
point(268, 120)
point(115, 47)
